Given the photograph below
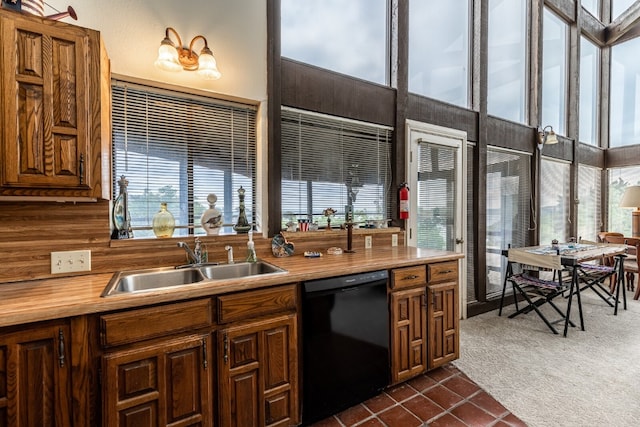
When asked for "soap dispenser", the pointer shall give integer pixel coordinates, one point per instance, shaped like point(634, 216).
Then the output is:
point(251, 249)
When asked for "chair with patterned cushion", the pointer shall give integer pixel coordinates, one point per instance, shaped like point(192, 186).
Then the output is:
point(630, 262)
point(535, 292)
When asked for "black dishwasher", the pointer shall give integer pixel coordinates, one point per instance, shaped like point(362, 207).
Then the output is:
point(345, 342)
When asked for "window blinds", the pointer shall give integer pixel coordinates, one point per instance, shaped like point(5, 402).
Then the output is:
point(589, 218)
point(177, 148)
point(328, 161)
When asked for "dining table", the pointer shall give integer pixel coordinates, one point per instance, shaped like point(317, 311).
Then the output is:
point(569, 256)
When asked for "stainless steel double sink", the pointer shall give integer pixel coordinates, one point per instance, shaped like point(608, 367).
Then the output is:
point(134, 281)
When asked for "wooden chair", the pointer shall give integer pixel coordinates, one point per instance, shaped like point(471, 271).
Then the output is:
point(604, 234)
point(631, 261)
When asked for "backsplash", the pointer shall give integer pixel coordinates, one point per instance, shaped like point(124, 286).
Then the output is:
point(30, 231)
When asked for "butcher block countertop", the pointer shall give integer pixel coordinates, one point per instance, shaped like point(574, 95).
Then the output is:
point(38, 300)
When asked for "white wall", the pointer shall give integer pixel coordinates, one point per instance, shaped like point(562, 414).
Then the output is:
point(133, 29)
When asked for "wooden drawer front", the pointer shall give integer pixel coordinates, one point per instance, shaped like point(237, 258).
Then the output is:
point(245, 305)
point(443, 271)
point(137, 325)
point(408, 276)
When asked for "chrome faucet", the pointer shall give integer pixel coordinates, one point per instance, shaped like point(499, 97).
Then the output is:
point(229, 250)
point(194, 255)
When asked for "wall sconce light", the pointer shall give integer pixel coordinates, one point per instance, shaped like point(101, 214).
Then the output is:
point(631, 199)
point(176, 58)
point(547, 137)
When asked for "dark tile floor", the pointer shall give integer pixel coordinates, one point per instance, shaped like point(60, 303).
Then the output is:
point(442, 397)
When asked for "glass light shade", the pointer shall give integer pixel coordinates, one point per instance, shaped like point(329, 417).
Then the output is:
point(207, 67)
point(551, 138)
point(168, 58)
point(631, 197)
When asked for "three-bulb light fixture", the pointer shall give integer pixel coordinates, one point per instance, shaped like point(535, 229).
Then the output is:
point(172, 57)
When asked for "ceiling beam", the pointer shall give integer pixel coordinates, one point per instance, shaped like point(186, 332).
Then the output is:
point(625, 27)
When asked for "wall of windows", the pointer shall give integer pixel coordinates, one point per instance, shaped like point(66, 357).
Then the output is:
point(508, 201)
point(619, 179)
point(349, 37)
point(507, 59)
point(625, 94)
point(554, 72)
point(589, 96)
point(554, 221)
point(592, 6)
point(439, 50)
point(589, 190)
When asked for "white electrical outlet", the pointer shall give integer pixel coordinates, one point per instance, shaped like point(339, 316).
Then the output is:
point(70, 261)
point(367, 242)
point(394, 240)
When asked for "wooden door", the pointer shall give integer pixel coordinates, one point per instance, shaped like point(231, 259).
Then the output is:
point(35, 380)
point(164, 384)
point(258, 371)
point(443, 320)
point(408, 334)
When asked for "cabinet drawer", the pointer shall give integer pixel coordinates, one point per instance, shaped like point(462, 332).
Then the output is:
point(137, 325)
point(443, 271)
point(244, 305)
point(408, 276)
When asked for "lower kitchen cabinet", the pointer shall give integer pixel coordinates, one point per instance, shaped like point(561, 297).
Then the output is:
point(163, 384)
point(408, 334)
point(425, 318)
point(258, 358)
point(35, 376)
point(443, 315)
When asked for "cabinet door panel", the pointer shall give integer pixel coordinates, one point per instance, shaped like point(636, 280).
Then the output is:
point(408, 334)
point(276, 366)
point(261, 391)
point(183, 383)
point(145, 415)
point(244, 400)
point(443, 324)
point(35, 377)
point(166, 383)
point(54, 130)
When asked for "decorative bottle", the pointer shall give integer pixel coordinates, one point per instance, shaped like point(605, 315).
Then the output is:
point(211, 219)
point(120, 213)
point(242, 226)
point(163, 222)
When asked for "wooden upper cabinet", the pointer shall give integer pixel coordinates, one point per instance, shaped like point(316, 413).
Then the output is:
point(54, 88)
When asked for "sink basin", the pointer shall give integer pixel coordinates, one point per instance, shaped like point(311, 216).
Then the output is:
point(239, 270)
point(127, 282)
point(145, 280)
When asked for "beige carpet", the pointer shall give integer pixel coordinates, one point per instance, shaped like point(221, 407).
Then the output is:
point(589, 378)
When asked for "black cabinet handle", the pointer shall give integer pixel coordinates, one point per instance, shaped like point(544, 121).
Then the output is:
point(60, 348)
point(204, 353)
point(410, 277)
point(226, 349)
point(81, 169)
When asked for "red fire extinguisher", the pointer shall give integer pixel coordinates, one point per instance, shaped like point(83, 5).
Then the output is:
point(404, 201)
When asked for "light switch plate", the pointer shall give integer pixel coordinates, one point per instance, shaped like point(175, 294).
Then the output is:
point(394, 240)
point(70, 261)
